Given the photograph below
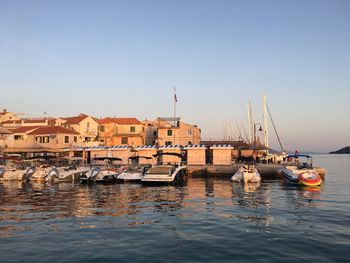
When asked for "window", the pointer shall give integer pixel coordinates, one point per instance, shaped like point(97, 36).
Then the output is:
point(66, 139)
point(132, 129)
point(124, 140)
point(75, 139)
point(46, 139)
point(154, 133)
point(102, 128)
point(189, 132)
point(170, 132)
point(168, 143)
point(19, 137)
point(39, 139)
point(87, 126)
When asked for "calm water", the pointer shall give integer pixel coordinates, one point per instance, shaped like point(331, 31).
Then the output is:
point(205, 219)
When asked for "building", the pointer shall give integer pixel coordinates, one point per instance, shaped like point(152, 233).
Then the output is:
point(87, 126)
point(151, 132)
point(5, 135)
point(172, 131)
point(28, 122)
point(8, 116)
point(121, 131)
point(42, 139)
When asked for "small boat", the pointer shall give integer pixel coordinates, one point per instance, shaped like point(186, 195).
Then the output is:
point(15, 170)
point(134, 172)
point(106, 173)
point(165, 173)
point(247, 173)
point(299, 170)
point(70, 173)
point(44, 173)
point(15, 174)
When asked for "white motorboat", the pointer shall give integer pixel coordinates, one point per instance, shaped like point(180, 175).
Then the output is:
point(247, 173)
point(70, 173)
point(102, 174)
point(44, 173)
point(14, 174)
point(165, 173)
point(134, 172)
point(14, 170)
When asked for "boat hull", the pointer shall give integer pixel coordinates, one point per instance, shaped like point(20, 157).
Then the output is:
point(307, 177)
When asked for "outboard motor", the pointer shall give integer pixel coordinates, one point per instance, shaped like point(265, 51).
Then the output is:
point(90, 176)
point(29, 172)
point(52, 175)
point(94, 172)
point(2, 172)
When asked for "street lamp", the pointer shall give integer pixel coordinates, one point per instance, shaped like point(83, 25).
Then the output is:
point(260, 129)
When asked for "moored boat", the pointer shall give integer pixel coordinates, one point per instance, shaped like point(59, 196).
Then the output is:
point(298, 169)
point(106, 173)
point(247, 172)
point(165, 173)
point(134, 172)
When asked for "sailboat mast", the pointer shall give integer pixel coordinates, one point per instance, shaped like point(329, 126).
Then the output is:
point(250, 122)
point(265, 128)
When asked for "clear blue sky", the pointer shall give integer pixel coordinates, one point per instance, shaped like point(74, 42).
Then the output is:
point(123, 58)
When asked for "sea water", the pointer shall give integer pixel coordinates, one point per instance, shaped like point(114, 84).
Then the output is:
point(203, 219)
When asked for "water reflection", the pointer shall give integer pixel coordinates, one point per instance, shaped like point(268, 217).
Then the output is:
point(135, 204)
point(302, 196)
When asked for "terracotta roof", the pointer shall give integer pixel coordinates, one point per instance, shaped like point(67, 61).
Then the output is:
point(24, 129)
point(52, 130)
point(120, 121)
point(75, 119)
point(39, 120)
point(4, 131)
point(11, 121)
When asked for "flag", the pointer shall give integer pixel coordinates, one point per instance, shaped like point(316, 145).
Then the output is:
point(175, 98)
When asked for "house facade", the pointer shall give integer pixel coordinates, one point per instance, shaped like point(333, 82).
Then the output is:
point(87, 126)
point(172, 131)
point(8, 116)
point(45, 138)
point(121, 131)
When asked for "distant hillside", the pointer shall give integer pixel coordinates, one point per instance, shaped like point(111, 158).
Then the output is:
point(343, 150)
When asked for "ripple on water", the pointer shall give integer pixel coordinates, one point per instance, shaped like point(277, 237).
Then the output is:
point(205, 219)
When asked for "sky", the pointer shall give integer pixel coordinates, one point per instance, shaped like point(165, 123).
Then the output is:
point(124, 58)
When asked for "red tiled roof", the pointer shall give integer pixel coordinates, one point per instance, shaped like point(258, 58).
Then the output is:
point(11, 121)
point(120, 121)
point(24, 129)
point(52, 130)
point(4, 131)
point(41, 120)
point(75, 119)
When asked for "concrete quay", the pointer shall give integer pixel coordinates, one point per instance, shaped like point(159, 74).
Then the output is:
point(267, 171)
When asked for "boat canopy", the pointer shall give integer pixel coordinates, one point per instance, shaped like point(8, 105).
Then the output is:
point(138, 157)
point(107, 158)
point(167, 153)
